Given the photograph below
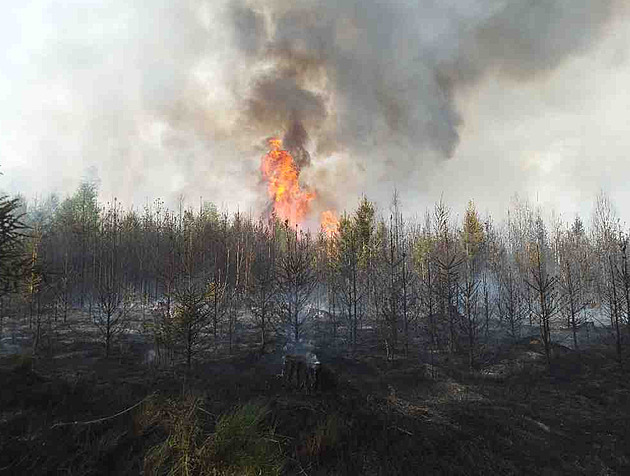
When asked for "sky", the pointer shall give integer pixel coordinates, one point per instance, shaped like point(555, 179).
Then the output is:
point(460, 99)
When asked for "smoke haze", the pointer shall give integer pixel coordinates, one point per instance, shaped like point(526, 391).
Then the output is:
point(473, 98)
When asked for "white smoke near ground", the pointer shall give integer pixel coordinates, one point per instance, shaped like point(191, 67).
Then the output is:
point(303, 348)
point(474, 98)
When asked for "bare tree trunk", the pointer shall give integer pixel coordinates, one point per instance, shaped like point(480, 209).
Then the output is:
point(572, 311)
point(405, 315)
point(263, 333)
point(108, 336)
point(38, 329)
point(354, 302)
point(189, 349)
point(626, 281)
point(614, 308)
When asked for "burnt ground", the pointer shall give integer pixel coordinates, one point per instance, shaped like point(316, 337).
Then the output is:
point(375, 417)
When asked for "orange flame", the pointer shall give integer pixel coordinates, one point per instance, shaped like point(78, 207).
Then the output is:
point(290, 202)
point(330, 223)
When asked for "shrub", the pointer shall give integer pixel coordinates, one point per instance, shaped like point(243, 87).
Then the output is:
point(242, 444)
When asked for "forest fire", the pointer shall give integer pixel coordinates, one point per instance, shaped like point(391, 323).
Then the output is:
point(330, 223)
point(290, 202)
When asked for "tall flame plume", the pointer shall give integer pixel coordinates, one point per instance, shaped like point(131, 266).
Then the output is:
point(330, 223)
point(290, 201)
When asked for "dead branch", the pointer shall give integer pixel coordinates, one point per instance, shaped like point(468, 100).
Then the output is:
point(100, 420)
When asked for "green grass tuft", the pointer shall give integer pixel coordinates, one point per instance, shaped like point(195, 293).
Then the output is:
point(241, 444)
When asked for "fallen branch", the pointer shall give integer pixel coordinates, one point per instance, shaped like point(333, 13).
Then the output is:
point(15, 463)
point(539, 424)
point(402, 430)
point(99, 420)
point(208, 413)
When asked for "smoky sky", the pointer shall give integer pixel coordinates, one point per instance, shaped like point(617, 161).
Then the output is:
point(475, 99)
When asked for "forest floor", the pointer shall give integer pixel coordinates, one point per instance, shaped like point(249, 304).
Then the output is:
point(81, 414)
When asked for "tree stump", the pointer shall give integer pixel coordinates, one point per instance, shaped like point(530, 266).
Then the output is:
point(301, 373)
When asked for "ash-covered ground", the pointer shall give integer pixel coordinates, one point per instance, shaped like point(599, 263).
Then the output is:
point(70, 410)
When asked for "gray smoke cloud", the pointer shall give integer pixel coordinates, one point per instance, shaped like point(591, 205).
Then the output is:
point(367, 74)
point(168, 97)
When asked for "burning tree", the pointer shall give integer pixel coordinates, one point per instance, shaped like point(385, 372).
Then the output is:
point(282, 174)
point(290, 201)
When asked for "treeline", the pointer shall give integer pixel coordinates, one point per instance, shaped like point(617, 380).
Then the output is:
point(440, 284)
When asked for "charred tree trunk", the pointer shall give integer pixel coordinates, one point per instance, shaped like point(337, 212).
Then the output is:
point(614, 308)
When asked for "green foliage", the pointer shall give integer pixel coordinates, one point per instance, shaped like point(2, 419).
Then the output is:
point(210, 212)
point(472, 232)
point(191, 316)
point(178, 454)
point(242, 441)
point(422, 249)
point(365, 224)
point(241, 444)
point(13, 260)
point(347, 241)
point(81, 211)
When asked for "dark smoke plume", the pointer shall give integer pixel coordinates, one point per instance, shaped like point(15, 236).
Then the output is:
point(183, 94)
point(391, 69)
point(378, 80)
point(295, 141)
